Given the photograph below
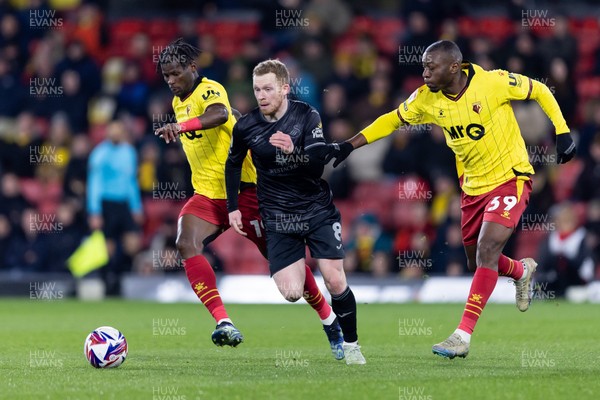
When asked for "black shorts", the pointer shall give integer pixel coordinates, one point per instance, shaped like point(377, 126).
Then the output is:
point(117, 219)
point(322, 235)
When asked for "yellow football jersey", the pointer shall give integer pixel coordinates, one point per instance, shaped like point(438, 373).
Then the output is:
point(206, 150)
point(479, 124)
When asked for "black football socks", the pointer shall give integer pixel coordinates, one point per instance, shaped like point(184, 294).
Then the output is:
point(344, 306)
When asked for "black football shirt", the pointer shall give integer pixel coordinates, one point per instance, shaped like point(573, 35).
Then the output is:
point(287, 184)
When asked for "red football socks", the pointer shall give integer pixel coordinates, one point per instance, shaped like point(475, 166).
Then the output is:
point(509, 267)
point(203, 281)
point(484, 282)
point(314, 297)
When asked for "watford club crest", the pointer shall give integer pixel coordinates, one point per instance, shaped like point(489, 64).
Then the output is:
point(199, 287)
point(476, 298)
point(477, 107)
point(188, 109)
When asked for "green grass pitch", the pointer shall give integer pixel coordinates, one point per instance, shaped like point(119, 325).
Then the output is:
point(550, 352)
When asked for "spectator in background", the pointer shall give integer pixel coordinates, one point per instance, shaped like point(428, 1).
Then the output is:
point(447, 252)
point(303, 85)
point(521, 55)
point(450, 31)
point(13, 43)
point(6, 231)
point(560, 44)
point(133, 96)
point(12, 202)
point(12, 92)
point(564, 257)
point(74, 102)
point(71, 234)
point(58, 143)
point(239, 82)
point(563, 86)
point(375, 102)
point(401, 157)
point(42, 84)
point(141, 52)
point(270, 24)
point(186, 28)
point(334, 105)
point(369, 248)
point(533, 122)
point(77, 59)
point(445, 191)
point(417, 37)
point(340, 180)
point(414, 232)
point(344, 75)
point(91, 30)
point(243, 103)
point(149, 161)
point(429, 143)
point(590, 128)
point(37, 30)
point(542, 195)
point(480, 48)
point(592, 226)
point(209, 61)
point(75, 177)
point(335, 15)
point(19, 145)
point(29, 244)
point(315, 58)
point(587, 186)
point(114, 203)
point(364, 58)
point(174, 168)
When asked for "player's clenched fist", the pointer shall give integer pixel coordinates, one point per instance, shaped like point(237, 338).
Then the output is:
point(282, 141)
point(325, 152)
point(168, 132)
point(565, 148)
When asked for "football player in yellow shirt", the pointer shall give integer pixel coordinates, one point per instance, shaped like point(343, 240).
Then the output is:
point(204, 125)
point(473, 108)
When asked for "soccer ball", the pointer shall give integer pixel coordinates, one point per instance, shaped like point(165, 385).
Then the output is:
point(105, 347)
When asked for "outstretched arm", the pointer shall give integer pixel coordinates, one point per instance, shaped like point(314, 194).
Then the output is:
point(380, 128)
point(214, 115)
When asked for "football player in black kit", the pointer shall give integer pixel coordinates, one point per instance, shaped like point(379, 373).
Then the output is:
point(295, 203)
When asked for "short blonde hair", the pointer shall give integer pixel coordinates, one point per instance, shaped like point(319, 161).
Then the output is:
point(275, 66)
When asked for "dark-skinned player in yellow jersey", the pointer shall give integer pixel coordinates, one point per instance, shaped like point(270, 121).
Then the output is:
point(204, 125)
point(473, 107)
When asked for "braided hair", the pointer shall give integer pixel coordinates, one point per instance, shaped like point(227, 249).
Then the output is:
point(179, 52)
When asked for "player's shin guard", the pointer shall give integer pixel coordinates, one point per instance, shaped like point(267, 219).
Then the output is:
point(314, 297)
point(344, 305)
point(484, 282)
point(202, 278)
point(509, 267)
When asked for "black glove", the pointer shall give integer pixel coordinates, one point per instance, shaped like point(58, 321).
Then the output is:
point(325, 152)
point(565, 148)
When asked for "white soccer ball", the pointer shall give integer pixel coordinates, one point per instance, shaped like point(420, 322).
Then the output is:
point(105, 347)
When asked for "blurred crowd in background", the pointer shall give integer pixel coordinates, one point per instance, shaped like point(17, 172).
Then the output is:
point(70, 68)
